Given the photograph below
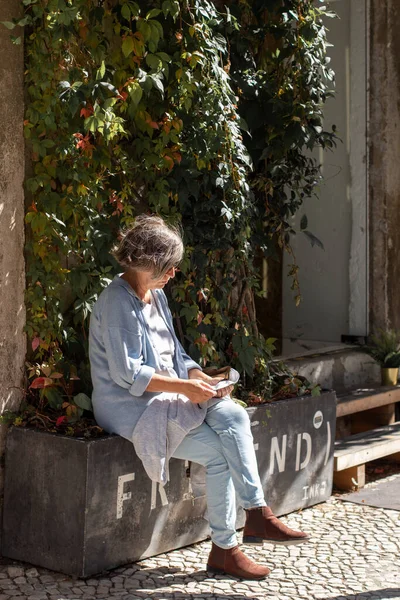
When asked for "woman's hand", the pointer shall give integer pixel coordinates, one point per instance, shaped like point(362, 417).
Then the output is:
point(226, 391)
point(196, 374)
point(198, 391)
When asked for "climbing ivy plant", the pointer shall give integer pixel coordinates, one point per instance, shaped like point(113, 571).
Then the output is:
point(201, 113)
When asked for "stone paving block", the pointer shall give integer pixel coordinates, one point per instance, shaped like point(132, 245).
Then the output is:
point(15, 572)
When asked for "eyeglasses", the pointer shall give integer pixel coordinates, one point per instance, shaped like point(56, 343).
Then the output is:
point(174, 269)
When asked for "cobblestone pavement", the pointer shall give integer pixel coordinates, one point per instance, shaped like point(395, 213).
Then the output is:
point(354, 555)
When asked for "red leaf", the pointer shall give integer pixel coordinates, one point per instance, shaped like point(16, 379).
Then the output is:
point(41, 382)
point(169, 161)
point(177, 156)
point(35, 343)
point(86, 112)
point(202, 340)
point(61, 420)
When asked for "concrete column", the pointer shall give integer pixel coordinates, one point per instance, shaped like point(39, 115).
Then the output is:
point(12, 267)
point(357, 151)
point(384, 164)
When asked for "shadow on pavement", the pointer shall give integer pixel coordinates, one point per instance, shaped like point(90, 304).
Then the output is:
point(200, 595)
point(164, 577)
point(384, 594)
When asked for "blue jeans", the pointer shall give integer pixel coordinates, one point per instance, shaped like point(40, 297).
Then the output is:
point(223, 443)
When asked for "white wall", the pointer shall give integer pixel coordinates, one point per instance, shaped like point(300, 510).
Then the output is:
point(333, 280)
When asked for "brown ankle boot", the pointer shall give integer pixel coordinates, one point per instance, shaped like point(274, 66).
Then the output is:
point(234, 562)
point(262, 526)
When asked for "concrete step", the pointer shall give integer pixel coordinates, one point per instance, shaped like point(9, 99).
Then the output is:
point(342, 367)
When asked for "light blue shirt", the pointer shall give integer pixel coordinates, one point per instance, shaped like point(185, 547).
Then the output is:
point(123, 359)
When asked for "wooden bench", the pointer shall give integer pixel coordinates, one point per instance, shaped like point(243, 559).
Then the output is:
point(358, 439)
point(353, 452)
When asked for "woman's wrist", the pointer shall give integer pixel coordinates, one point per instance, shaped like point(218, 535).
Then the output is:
point(197, 374)
point(162, 383)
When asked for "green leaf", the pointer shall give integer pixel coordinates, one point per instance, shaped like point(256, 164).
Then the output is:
point(154, 12)
point(53, 397)
point(154, 62)
point(243, 125)
point(101, 72)
point(157, 31)
point(166, 7)
point(8, 24)
point(145, 29)
point(172, 7)
point(164, 57)
point(83, 401)
point(135, 92)
point(25, 21)
point(128, 46)
point(126, 12)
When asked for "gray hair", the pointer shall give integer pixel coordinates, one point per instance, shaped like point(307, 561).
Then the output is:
point(149, 245)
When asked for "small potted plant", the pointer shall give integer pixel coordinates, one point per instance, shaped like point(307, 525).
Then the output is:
point(384, 347)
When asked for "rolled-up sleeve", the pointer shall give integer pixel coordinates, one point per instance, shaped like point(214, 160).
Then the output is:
point(122, 336)
point(125, 359)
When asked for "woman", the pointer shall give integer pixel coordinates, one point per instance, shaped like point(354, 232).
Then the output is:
point(144, 382)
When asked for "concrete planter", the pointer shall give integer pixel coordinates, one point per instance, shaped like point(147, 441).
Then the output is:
point(294, 441)
point(81, 507)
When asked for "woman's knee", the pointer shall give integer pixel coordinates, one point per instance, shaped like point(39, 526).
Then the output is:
point(228, 414)
point(202, 446)
point(212, 458)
